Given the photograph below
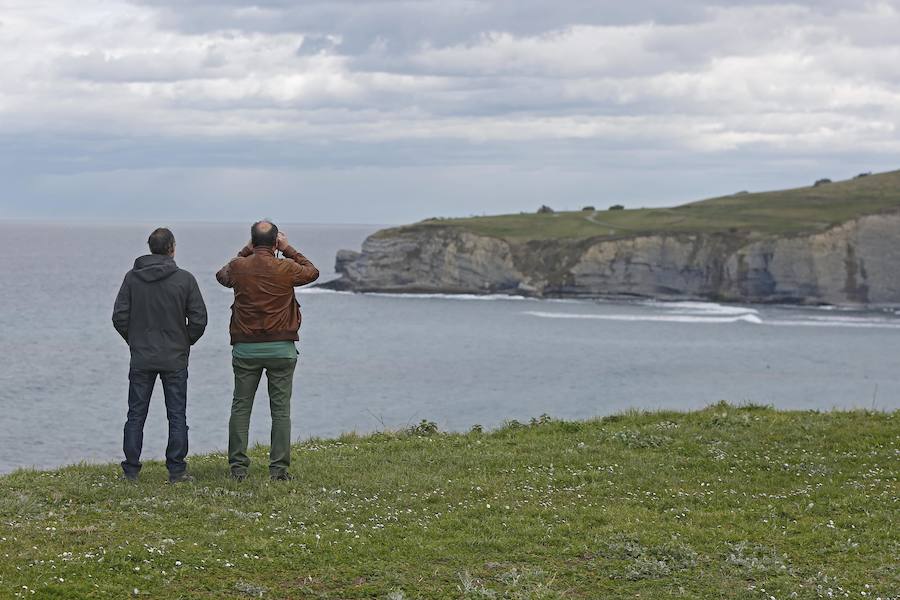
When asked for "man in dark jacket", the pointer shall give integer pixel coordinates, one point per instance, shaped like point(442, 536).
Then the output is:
point(160, 313)
point(265, 318)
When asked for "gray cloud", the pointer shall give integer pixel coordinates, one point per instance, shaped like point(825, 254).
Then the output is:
point(574, 100)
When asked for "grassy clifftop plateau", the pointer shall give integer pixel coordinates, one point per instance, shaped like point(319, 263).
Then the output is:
point(801, 210)
point(722, 503)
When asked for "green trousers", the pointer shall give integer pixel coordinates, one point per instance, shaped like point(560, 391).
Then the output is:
point(280, 376)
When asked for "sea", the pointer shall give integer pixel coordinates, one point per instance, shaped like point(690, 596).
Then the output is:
point(373, 362)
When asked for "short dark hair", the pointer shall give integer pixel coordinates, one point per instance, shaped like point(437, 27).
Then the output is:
point(161, 241)
point(260, 235)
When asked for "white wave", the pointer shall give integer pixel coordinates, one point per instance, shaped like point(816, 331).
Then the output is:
point(673, 318)
point(304, 291)
point(419, 296)
point(700, 308)
point(836, 319)
point(812, 321)
point(319, 290)
point(864, 324)
point(447, 296)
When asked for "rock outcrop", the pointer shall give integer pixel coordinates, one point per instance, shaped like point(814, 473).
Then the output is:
point(435, 260)
point(854, 263)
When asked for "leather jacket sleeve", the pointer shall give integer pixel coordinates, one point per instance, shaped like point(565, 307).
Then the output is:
point(302, 270)
point(224, 274)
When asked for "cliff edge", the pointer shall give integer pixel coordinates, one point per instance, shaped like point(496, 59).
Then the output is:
point(834, 243)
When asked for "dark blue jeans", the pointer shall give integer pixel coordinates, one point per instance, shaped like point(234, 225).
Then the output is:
point(140, 388)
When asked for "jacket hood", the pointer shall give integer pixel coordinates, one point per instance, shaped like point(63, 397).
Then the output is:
point(154, 267)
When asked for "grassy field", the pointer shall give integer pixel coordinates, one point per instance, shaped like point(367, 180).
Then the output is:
point(722, 503)
point(798, 210)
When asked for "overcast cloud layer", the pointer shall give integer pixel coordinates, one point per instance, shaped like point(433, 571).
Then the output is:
point(390, 111)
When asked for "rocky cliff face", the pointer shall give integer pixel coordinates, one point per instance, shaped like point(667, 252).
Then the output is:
point(437, 260)
point(854, 263)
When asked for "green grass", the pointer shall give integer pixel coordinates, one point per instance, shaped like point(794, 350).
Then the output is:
point(786, 212)
point(727, 502)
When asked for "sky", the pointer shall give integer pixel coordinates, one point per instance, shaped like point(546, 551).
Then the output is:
point(390, 111)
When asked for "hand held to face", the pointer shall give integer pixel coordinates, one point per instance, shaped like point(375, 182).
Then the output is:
point(282, 242)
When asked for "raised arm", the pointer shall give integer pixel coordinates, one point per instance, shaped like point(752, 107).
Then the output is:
point(224, 274)
point(302, 270)
point(122, 309)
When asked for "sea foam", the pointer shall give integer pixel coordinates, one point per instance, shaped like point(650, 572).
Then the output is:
point(746, 317)
point(672, 318)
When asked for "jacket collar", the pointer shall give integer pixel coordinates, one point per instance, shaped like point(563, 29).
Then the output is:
point(267, 250)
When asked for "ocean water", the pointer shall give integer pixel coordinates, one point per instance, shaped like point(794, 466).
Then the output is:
point(376, 361)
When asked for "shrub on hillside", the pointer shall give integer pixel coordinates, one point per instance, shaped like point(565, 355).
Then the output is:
point(616, 207)
point(822, 181)
point(545, 210)
point(425, 428)
point(588, 208)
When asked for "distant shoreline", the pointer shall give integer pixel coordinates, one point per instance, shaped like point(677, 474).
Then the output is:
point(324, 287)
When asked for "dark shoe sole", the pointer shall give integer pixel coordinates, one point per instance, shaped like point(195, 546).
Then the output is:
point(238, 476)
point(282, 477)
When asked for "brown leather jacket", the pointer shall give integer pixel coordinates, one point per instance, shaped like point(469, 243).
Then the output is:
point(265, 308)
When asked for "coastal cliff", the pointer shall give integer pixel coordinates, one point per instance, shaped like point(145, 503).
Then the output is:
point(855, 263)
point(681, 253)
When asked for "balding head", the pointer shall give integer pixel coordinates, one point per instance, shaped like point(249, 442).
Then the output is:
point(264, 233)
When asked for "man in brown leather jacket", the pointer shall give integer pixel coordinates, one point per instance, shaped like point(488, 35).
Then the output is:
point(265, 319)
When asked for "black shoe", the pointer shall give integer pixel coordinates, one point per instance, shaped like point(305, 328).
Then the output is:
point(238, 476)
point(283, 476)
point(130, 477)
point(181, 478)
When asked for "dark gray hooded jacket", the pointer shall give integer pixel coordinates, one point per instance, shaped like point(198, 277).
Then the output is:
point(160, 313)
